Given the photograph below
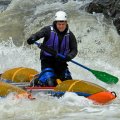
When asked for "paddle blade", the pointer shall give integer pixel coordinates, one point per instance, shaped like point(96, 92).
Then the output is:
point(105, 77)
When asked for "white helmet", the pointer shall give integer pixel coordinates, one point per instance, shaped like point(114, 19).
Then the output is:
point(60, 16)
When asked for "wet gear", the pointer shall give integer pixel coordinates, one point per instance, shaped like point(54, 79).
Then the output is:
point(31, 40)
point(66, 75)
point(46, 75)
point(46, 31)
point(67, 46)
point(66, 59)
point(53, 42)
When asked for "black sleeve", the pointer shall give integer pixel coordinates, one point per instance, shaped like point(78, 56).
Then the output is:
point(73, 46)
point(43, 33)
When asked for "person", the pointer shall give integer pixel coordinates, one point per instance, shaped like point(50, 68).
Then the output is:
point(58, 37)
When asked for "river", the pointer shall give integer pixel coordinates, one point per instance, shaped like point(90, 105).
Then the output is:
point(98, 44)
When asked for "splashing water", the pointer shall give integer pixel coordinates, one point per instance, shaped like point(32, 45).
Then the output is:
point(98, 45)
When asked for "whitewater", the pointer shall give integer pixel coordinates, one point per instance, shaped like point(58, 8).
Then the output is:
point(98, 45)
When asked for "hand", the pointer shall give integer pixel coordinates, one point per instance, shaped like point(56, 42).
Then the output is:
point(31, 40)
point(66, 59)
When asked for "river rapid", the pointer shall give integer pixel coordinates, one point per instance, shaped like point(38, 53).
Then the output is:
point(98, 45)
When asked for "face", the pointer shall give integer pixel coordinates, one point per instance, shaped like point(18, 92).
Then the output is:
point(61, 26)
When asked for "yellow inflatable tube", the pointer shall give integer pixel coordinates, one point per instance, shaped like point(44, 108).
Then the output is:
point(6, 88)
point(19, 74)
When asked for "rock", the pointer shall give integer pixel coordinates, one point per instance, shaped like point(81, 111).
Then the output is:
point(7, 2)
point(116, 22)
point(110, 9)
point(4, 4)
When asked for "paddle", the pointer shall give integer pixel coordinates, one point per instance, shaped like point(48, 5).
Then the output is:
point(103, 76)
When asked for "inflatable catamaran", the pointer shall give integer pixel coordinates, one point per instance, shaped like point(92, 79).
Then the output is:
point(21, 77)
point(92, 91)
point(87, 89)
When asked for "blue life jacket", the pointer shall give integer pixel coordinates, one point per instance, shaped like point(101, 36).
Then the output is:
point(53, 42)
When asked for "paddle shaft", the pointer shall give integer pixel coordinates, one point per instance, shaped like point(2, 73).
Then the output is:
point(53, 52)
point(62, 56)
point(103, 76)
